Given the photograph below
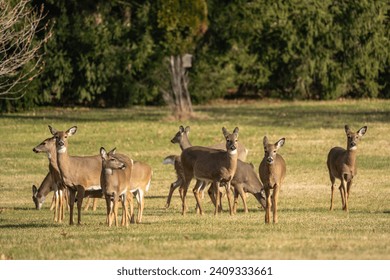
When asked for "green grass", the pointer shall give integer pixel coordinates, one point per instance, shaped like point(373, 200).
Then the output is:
point(306, 229)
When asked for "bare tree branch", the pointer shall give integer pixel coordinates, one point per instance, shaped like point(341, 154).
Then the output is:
point(20, 57)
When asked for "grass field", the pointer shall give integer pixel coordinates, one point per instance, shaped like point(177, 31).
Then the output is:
point(306, 228)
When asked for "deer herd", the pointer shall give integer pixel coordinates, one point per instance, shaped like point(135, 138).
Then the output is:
point(221, 168)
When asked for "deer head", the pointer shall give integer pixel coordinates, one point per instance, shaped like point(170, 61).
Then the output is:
point(231, 140)
point(62, 138)
point(354, 137)
point(271, 149)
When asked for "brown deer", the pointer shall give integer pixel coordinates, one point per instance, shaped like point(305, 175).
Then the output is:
point(245, 181)
point(79, 174)
point(181, 138)
point(342, 165)
point(52, 181)
point(210, 166)
point(141, 177)
point(115, 182)
point(272, 171)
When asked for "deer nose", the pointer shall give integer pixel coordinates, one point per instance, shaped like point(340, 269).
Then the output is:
point(35, 150)
point(61, 143)
point(270, 160)
point(123, 166)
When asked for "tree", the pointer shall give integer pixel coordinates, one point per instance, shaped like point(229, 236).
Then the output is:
point(20, 57)
point(180, 25)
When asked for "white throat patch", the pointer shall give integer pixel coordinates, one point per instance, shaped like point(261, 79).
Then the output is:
point(234, 152)
point(353, 148)
point(62, 150)
point(108, 171)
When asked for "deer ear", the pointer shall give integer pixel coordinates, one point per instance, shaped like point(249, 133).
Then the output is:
point(103, 153)
point(187, 129)
point(53, 131)
point(71, 131)
point(265, 141)
point(280, 143)
point(347, 129)
point(112, 152)
point(225, 132)
point(34, 190)
point(181, 129)
point(235, 131)
point(362, 131)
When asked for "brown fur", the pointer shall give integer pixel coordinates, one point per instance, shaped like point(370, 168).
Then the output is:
point(341, 164)
point(272, 171)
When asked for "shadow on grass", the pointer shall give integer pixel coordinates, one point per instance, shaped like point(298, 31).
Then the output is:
point(27, 226)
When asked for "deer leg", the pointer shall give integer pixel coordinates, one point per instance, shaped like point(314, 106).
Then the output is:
point(197, 191)
point(61, 205)
point(342, 194)
point(72, 196)
point(173, 187)
point(116, 206)
point(349, 185)
point(185, 188)
point(267, 203)
point(240, 191)
point(108, 209)
point(53, 201)
point(229, 197)
point(275, 203)
point(130, 200)
point(141, 204)
point(55, 197)
point(94, 204)
point(86, 207)
point(80, 197)
point(215, 186)
point(332, 181)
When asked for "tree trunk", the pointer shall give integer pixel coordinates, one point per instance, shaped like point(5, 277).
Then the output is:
point(178, 98)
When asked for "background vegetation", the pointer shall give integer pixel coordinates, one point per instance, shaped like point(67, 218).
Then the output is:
point(306, 229)
point(114, 53)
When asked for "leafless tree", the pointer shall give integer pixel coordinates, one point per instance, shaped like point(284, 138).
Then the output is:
point(178, 98)
point(20, 56)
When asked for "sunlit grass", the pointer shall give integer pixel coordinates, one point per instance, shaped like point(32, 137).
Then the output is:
point(306, 229)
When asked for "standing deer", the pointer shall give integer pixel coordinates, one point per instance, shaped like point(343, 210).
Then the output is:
point(52, 181)
point(79, 174)
point(272, 171)
point(210, 166)
point(342, 165)
point(115, 182)
point(141, 177)
point(181, 138)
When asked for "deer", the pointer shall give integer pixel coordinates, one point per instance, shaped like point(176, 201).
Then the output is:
point(141, 177)
point(181, 138)
point(272, 171)
point(246, 180)
point(52, 181)
point(342, 165)
point(210, 165)
point(78, 173)
point(115, 182)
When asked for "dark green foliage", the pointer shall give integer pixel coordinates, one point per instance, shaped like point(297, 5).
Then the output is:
point(111, 53)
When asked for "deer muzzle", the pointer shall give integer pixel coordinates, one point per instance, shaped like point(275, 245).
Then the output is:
point(270, 160)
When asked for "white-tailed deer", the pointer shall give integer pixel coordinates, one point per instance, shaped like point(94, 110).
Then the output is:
point(342, 165)
point(246, 180)
point(272, 171)
point(115, 182)
point(141, 177)
point(52, 181)
point(78, 173)
point(181, 138)
point(210, 166)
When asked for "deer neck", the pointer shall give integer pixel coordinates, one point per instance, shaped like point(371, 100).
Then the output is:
point(351, 158)
point(52, 156)
point(185, 143)
point(63, 162)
